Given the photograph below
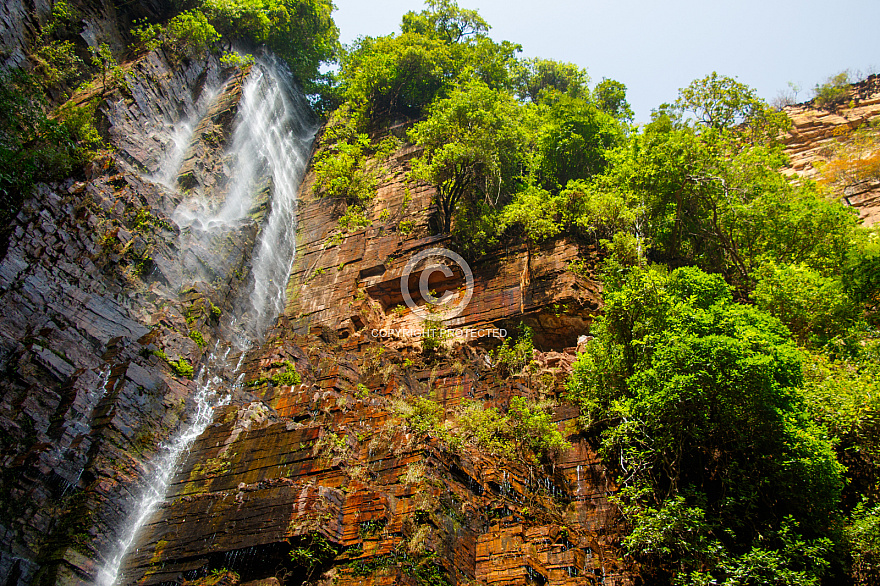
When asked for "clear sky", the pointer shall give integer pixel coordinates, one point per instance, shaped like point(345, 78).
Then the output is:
point(655, 48)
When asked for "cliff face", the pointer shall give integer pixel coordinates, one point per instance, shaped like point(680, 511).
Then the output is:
point(131, 293)
point(331, 456)
point(111, 290)
point(97, 303)
point(817, 134)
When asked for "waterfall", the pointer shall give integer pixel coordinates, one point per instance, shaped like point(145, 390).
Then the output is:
point(270, 149)
point(181, 135)
point(161, 471)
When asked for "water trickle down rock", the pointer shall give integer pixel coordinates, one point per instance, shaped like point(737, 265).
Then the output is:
point(270, 145)
point(330, 456)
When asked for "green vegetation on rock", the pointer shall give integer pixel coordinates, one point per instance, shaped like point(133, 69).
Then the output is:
point(698, 404)
point(286, 377)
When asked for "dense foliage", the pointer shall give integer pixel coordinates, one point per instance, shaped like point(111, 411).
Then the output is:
point(496, 132)
point(695, 400)
point(41, 141)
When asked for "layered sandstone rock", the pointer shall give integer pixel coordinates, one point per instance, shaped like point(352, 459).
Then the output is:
point(96, 304)
point(816, 131)
point(331, 459)
point(102, 291)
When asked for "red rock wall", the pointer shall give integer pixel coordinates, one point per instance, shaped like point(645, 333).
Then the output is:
point(333, 455)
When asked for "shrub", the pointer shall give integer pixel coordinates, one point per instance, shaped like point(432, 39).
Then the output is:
point(526, 431)
point(190, 33)
point(511, 358)
point(34, 147)
point(197, 337)
point(834, 91)
point(863, 535)
point(421, 414)
point(287, 378)
point(312, 551)
point(533, 427)
point(433, 335)
point(341, 166)
point(362, 391)
point(57, 62)
point(484, 428)
point(80, 124)
point(182, 367)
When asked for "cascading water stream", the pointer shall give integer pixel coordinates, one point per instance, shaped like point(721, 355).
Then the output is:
point(181, 135)
point(162, 469)
point(270, 147)
point(272, 143)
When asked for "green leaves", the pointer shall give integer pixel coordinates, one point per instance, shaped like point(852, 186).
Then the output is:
point(863, 535)
point(572, 142)
point(301, 32)
point(815, 308)
point(313, 551)
point(720, 102)
point(401, 75)
point(444, 20)
point(696, 401)
point(546, 80)
point(190, 32)
point(340, 165)
point(472, 144)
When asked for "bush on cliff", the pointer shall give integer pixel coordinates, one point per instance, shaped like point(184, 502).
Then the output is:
point(697, 404)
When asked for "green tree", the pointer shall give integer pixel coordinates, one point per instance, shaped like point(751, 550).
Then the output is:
point(301, 32)
point(721, 102)
point(696, 402)
point(573, 141)
point(190, 33)
point(395, 75)
point(400, 75)
point(472, 144)
point(444, 20)
point(714, 197)
point(815, 308)
point(834, 91)
point(610, 97)
point(543, 80)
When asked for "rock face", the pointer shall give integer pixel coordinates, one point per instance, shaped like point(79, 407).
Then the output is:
point(329, 459)
point(98, 315)
point(816, 131)
point(310, 472)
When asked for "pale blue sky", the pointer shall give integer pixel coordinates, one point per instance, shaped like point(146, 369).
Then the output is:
point(657, 47)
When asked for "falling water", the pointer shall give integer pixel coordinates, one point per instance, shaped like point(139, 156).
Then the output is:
point(181, 135)
point(281, 150)
point(270, 146)
point(162, 469)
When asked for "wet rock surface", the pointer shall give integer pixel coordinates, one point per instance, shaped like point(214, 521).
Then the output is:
point(331, 458)
point(97, 306)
